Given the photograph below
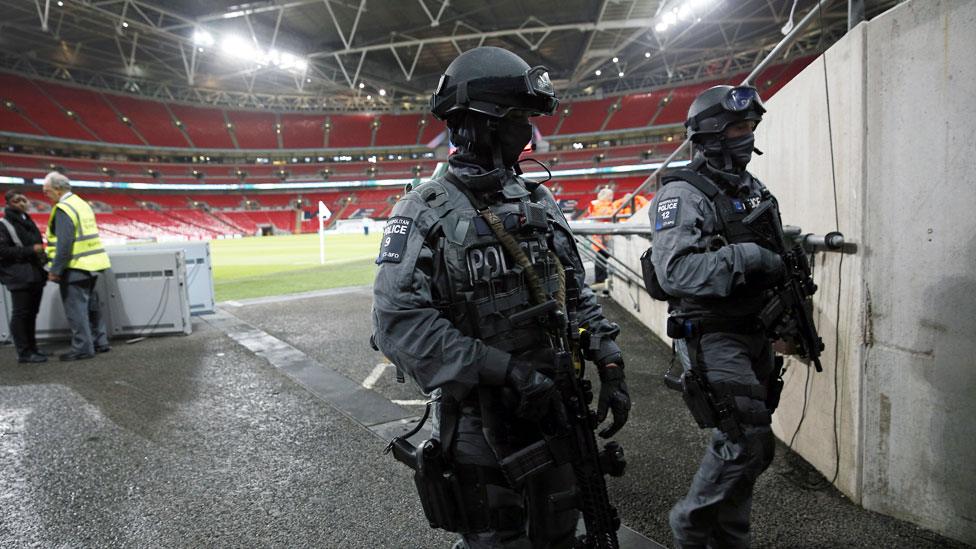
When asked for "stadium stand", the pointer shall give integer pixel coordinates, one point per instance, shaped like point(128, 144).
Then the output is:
point(27, 98)
point(586, 116)
point(94, 113)
point(254, 130)
point(151, 119)
point(350, 131)
point(40, 108)
point(206, 128)
point(303, 131)
point(398, 129)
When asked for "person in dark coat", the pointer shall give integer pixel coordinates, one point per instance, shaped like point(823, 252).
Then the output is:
point(22, 262)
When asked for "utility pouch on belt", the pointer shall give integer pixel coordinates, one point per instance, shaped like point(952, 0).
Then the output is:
point(651, 284)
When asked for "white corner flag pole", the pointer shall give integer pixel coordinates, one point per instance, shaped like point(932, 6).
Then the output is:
point(324, 214)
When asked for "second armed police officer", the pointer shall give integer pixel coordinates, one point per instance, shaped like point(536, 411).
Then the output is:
point(448, 291)
point(714, 269)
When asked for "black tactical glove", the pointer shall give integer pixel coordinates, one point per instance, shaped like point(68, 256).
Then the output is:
point(536, 391)
point(769, 272)
point(613, 396)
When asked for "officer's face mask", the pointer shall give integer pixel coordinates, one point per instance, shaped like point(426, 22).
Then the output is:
point(731, 154)
point(513, 135)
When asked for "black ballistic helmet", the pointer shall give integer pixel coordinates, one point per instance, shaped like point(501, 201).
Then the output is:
point(493, 82)
point(717, 107)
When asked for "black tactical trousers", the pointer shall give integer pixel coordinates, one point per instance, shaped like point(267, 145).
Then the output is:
point(715, 512)
point(534, 516)
point(23, 318)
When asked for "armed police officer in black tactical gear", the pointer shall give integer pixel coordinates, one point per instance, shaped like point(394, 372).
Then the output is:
point(716, 270)
point(479, 298)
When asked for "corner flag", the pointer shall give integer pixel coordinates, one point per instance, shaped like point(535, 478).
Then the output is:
point(324, 212)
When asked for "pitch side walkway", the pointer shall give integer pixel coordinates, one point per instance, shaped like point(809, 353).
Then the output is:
point(264, 428)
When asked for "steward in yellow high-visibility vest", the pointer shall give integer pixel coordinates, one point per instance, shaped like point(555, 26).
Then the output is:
point(87, 253)
point(77, 259)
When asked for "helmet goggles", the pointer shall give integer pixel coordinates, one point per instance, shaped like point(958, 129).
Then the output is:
point(740, 103)
point(532, 92)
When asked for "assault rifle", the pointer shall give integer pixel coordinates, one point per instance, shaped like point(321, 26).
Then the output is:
point(788, 315)
point(568, 431)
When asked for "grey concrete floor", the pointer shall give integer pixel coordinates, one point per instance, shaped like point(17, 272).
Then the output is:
point(195, 441)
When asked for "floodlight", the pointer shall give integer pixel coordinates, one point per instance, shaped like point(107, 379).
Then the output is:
point(301, 64)
point(60, 4)
point(647, 55)
point(203, 38)
point(660, 27)
point(382, 92)
point(598, 72)
point(362, 85)
point(620, 74)
point(236, 46)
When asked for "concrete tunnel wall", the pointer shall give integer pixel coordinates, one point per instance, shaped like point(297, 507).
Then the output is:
point(898, 317)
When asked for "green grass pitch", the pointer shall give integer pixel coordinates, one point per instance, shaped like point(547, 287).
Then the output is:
point(276, 265)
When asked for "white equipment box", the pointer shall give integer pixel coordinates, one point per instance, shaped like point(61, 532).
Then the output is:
point(199, 271)
point(144, 293)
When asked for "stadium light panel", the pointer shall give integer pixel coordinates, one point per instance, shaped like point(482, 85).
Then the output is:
point(60, 4)
point(203, 38)
point(598, 72)
point(382, 92)
point(616, 59)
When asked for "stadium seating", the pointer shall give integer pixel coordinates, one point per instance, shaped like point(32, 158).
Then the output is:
point(151, 119)
point(94, 113)
point(400, 129)
point(303, 131)
point(254, 130)
point(41, 108)
point(350, 131)
point(586, 116)
point(206, 128)
point(27, 98)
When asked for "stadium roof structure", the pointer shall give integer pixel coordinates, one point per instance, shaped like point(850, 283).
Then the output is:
point(386, 55)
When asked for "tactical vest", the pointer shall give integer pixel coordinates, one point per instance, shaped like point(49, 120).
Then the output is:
point(730, 230)
point(477, 285)
point(87, 253)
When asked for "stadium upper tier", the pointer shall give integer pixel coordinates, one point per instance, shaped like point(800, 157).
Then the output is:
point(31, 166)
point(54, 111)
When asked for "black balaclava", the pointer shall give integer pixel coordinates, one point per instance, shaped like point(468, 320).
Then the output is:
point(728, 154)
point(491, 143)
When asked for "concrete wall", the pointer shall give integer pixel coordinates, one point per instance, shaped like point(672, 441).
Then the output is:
point(919, 397)
point(898, 317)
